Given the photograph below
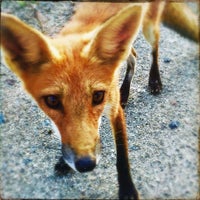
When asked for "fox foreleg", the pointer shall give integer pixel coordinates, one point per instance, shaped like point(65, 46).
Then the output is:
point(127, 189)
point(125, 88)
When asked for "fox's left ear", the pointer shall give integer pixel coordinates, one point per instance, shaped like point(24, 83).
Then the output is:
point(25, 48)
point(113, 41)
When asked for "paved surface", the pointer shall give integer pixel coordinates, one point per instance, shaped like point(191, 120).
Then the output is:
point(163, 130)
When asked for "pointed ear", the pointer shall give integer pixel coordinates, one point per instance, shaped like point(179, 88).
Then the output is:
point(24, 48)
point(113, 41)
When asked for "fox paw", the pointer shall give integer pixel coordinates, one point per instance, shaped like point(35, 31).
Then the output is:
point(128, 192)
point(155, 87)
point(61, 168)
point(129, 195)
point(123, 104)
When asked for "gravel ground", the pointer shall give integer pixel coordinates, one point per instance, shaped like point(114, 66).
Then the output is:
point(163, 130)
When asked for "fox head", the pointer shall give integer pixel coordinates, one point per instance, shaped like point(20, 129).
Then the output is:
point(72, 77)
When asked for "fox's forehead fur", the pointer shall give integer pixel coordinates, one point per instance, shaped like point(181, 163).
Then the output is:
point(72, 72)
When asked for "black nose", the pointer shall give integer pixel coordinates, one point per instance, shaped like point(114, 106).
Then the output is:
point(85, 164)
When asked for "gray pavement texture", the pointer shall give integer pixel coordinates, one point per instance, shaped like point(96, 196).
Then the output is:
point(162, 130)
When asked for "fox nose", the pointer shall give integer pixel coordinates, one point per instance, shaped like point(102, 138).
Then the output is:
point(85, 164)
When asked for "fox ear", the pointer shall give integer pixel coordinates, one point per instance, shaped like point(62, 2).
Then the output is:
point(113, 41)
point(24, 48)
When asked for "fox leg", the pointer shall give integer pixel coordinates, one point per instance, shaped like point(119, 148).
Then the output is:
point(127, 189)
point(151, 32)
point(125, 88)
point(155, 83)
point(61, 168)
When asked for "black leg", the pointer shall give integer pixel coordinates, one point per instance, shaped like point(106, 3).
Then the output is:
point(127, 189)
point(155, 84)
point(125, 88)
point(61, 168)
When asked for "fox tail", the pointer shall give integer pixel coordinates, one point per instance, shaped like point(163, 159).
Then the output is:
point(180, 18)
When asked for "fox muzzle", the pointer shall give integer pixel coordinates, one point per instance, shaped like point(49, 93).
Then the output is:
point(78, 163)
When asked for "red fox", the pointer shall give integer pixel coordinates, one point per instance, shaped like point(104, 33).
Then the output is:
point(74, 76)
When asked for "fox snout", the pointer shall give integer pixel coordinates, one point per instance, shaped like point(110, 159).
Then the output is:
point(80, 163)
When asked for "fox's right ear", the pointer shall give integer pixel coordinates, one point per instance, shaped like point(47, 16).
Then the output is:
point(25, 49)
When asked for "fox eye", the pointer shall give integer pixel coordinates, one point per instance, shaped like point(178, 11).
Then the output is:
point(98, 97)
point(52, 101)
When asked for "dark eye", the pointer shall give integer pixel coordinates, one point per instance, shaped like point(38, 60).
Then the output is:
point(52, 101)
point(97, 97)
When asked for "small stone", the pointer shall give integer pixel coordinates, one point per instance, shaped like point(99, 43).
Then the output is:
point(174, 124)
point(2, 119)
point(46, 122)
point(167, 60)
point(135, 148)
point(10, 82)
point(50, 132)
point(27, 161)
